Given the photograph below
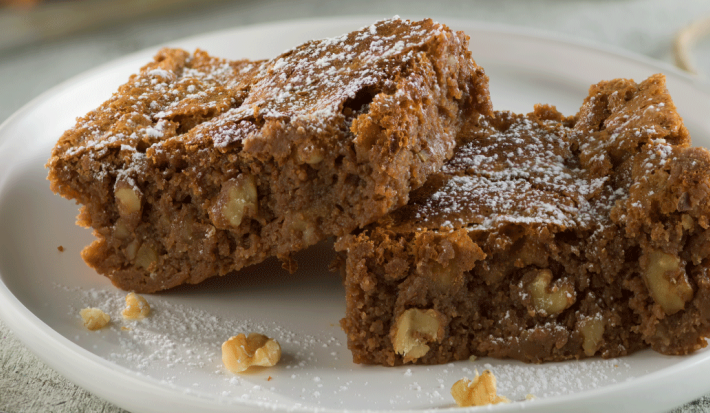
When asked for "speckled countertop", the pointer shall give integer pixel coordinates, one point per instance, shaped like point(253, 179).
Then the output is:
point(647, 27)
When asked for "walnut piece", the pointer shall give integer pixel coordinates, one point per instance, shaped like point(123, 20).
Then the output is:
point(311, 155)
point(94, 318)
point(237, 199)
point(120, 230)
point(241, 352)
point(480, 391)
point(314, 158)
point(413, 329)
point(423, 156)
point(306, 228)
point(146, 256)
point(667, 281)
point(687, 222)
point(137, 307)
point(549, 300)
point(592, 330)
point(132, 249)
point(128, 197)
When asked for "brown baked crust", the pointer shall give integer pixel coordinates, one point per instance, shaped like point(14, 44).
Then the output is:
point(597, 202)
point(327, 137)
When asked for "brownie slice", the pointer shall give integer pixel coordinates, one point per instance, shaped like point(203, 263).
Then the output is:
point(544, 238)
point(182, 184)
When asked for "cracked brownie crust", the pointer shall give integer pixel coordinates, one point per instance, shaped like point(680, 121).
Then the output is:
point(544, 238)
point(200, 166)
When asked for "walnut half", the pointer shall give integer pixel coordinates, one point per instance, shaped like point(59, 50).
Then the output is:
point(415, 328)
point(241, 352)
point(667, 282)
point(311, 155)
point(94, 318)
point(128, 198)
point(136, 307)
point(592, 330)
point(145, 257)
point(237, 199)
point(480, 391)
point(550, 299)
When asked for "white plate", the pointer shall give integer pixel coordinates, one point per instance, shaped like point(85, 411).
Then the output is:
point(171, 361)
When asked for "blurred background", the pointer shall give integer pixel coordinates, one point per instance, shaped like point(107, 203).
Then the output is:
point(44, 42)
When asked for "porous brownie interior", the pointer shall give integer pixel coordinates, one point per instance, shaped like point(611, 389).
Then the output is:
point(544, 238)
point(327, 137)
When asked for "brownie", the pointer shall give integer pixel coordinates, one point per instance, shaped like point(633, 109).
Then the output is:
point(544, 238)
point(199, 166)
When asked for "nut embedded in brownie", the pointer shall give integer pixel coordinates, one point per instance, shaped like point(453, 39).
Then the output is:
point(188, 173)
point(544, 238)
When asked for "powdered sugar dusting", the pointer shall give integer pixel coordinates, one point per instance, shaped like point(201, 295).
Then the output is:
point(523, 172)
point(151, 108)
point(555, 379)
point(309, 85)
point(154, 95)
point(179, 346)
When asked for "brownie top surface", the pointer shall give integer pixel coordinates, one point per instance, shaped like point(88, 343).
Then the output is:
point(204, 100)
point(318, 76)
point(310, 85)
point(169, 95)
point(514, 169)
point(543, 169)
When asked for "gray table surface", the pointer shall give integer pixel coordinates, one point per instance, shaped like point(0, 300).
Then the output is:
point(642, 26)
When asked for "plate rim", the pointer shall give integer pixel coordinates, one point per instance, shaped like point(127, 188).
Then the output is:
point(11, 306)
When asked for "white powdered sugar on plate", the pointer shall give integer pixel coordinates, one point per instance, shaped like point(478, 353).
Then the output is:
point(180, 346)
point(556, 379)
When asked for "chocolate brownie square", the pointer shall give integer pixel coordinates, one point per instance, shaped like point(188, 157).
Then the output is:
point(198, 166)
point(544, 238)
